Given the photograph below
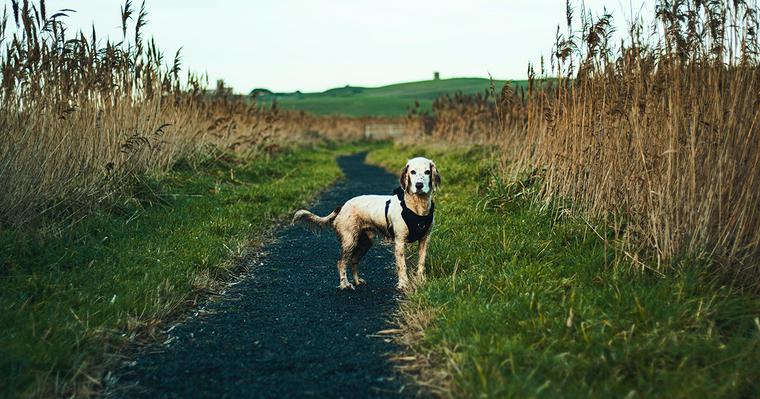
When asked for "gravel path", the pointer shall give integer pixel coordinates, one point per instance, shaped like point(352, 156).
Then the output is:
point(286, 331)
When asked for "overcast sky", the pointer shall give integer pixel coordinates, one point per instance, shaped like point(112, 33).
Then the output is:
point(287, 45)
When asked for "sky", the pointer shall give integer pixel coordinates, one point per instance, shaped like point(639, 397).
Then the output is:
point(288, 45)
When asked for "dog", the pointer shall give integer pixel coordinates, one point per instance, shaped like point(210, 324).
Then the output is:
point(404, 217)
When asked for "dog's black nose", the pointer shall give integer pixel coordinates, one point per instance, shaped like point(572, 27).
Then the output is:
point(419, 186)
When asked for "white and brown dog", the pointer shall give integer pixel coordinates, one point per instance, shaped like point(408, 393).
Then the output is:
point(405, 217)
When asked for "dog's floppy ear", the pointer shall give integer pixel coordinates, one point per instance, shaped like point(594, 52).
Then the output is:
point(404, 179)
point(435, 177)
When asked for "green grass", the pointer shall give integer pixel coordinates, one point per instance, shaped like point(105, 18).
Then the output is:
point(527, 302)
point(392, 100)
point(71, 296)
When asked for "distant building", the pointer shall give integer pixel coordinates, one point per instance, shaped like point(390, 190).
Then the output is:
point(436, 76)
point(383, 131)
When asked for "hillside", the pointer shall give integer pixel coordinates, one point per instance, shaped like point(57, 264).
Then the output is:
point(391, 100)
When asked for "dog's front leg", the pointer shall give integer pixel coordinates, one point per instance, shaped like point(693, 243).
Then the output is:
point(403, 280)
point(422, 252)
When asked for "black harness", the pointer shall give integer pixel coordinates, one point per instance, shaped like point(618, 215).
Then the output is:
point(417, 225)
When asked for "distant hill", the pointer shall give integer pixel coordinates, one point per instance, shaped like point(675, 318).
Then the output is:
point(392, 100)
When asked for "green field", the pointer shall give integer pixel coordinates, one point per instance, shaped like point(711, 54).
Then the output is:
point(391, 100)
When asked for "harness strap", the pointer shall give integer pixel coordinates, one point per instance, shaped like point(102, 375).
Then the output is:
point(387, 221)
point(417, 225)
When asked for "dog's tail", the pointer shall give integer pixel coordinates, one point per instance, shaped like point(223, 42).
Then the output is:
point(315, 221)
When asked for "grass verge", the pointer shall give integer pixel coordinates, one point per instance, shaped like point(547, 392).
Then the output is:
point(526, 300)
point(71, 296)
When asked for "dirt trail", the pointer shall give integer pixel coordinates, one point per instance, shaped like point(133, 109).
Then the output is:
point(286, 331)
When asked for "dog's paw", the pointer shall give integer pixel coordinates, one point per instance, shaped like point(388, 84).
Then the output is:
point(345, 285)
point(360, 281)
point(403, 286)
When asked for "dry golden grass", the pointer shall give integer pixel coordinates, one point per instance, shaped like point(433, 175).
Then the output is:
point(82, 120)
point(659, 137)
point(424, 365)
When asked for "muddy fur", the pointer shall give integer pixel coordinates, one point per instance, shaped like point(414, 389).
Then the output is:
point(362, 218)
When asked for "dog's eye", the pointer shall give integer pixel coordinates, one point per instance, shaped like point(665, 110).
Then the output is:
point(414, 172)
point(427, 172)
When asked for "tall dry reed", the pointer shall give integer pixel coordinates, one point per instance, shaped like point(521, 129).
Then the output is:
point(659, 136)
point(82, 119)
point(79, 119)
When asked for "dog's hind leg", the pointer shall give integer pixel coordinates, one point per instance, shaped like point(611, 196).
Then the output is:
point(348, 244)
point(362, 246)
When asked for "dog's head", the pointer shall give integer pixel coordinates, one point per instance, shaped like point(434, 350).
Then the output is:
point(420, 176)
